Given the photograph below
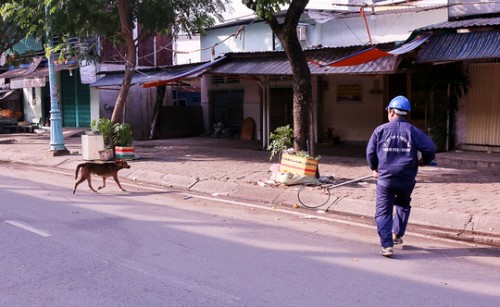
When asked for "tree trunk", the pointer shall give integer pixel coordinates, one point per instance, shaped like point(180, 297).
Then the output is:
point(303, 129)
point(126, 25)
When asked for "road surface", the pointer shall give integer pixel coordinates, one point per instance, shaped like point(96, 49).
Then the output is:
point(161, 247)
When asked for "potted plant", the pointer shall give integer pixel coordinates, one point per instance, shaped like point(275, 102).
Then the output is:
point(123, 137)
point(299, 163)
point(281, 140)
point(102, 127)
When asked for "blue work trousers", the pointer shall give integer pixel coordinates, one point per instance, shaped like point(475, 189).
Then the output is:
point(388, 199)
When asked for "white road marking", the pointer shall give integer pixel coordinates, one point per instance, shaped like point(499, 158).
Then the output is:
point(28, 228)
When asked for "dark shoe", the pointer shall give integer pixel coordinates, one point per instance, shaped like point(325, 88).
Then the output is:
point(387, 251)
point(397, 240)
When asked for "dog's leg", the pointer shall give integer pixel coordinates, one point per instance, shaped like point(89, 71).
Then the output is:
point(77, 183)
point(90, 184)
point(115, 177)
point(103, 183)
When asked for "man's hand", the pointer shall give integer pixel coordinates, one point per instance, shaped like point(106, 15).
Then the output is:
point(375, 173)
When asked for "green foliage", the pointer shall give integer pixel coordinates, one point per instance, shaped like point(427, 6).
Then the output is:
point(90, 18)
point(123, 134)
point(87, 18)
point(113, 20)
point(306, 155)
point(280, 140)
point(9, 35)
point(27, 15)
point(102, 126)
point(266, 8)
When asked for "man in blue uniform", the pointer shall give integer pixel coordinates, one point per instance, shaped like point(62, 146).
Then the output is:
point(393, 155)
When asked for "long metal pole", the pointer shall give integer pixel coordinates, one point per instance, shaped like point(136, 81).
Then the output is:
point(56, 135)
point(331, 186)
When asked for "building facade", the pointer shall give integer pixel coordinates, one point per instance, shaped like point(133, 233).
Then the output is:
point(339, 93)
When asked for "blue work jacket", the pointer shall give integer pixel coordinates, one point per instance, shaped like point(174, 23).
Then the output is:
point(393, 151)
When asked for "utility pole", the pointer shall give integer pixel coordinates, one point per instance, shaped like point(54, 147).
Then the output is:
point(56, 137)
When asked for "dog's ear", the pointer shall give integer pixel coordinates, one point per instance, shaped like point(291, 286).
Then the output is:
point(121, 161)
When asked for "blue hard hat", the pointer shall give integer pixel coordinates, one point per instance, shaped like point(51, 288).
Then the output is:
point(400, 103)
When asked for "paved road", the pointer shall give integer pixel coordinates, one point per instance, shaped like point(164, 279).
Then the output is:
point(462, 200)
point(162, 247)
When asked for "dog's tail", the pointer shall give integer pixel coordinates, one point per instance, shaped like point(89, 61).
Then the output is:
point(78, 169)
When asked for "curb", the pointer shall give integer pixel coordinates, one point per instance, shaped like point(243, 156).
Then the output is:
point(456, 226)
point(481, 229)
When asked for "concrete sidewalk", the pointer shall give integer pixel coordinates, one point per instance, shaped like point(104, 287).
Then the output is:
point(461, 202)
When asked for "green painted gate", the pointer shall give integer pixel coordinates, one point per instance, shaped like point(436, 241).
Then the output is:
point(75, 100)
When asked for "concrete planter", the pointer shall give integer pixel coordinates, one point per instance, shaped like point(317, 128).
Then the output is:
point(91, 145)
point(106, 154)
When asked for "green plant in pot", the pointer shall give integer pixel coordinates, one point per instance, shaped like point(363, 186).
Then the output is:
point(123, 137)
point(123, 134)
point(280, 140)
point(103, 127)
point(299, 163)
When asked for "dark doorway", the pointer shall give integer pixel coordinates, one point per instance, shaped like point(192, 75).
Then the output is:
point(280, 108)
point(227, 109)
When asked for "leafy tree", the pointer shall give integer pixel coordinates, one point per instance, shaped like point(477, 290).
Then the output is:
point(9, 35)
point(114, 20)
point(286, 32)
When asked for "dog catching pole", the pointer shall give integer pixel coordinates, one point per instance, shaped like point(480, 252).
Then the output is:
point(327, 189)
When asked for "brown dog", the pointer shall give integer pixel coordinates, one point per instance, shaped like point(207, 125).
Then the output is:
point(109, 169)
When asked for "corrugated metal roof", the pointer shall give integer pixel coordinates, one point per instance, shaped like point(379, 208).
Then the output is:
point(276, 63)
point(461, 46)
point(190, 73)
point(33, 71)
point(27, 45)
point(151, 75)
point(256, 63)
point(372, 53)
point(466, 23)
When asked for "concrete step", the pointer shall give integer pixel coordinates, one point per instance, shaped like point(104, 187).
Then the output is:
point(469, 160)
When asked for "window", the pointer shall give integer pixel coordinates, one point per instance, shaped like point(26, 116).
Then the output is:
point(219, 79)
